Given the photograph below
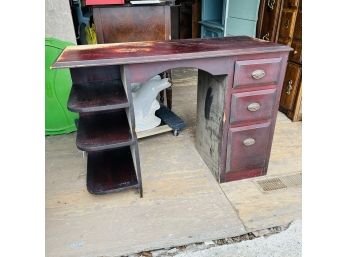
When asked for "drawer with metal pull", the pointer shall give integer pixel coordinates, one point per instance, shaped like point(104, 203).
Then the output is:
point(292, 81)
point(247, 147)
point(252, 105)
point(257, 72)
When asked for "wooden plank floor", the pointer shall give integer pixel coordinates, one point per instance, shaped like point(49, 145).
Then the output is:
point(182, 201)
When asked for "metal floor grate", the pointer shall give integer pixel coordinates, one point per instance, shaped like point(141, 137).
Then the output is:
point(278, 183)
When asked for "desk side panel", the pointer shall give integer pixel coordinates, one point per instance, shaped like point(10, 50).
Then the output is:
point(210, 110)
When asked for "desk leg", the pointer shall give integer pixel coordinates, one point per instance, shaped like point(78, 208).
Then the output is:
point(167, 74)
point(169, 89)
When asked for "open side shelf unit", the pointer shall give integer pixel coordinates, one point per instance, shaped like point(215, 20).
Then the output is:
point(111, 171)
point(105, 130)
point(97, 96)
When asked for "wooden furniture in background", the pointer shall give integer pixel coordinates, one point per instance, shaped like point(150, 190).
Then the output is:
point(281, 21)
point(189, 16)
point(239, 86)
point(229, 18)
point(134, 23)
point(115, 24)
point(196, 17)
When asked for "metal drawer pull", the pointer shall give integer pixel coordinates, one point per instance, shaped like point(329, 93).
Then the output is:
point(287, 23)
point(253, 107)
point(271, 3)
point(258, 74)
point(266, 36)
point(249, 141)
point(289, 87)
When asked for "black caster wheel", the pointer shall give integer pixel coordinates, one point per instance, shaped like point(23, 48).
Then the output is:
point(176, 132)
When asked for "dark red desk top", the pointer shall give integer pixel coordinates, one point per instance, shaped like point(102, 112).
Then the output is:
point(156, 51)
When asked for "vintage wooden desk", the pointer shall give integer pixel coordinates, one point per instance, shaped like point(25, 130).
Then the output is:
point(239, 85)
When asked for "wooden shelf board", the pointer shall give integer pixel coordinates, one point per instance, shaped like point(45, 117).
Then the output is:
point(111, 171)
point(102, 131)
point(97, 96)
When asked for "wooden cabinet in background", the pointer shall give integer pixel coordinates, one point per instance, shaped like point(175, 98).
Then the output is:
point(291, 83)
point(119, 24)
point(281, 21)
point(116, 24)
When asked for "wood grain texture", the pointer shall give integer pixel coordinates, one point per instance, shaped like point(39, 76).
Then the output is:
point(291, 83)
point(287, 25)
point(155, 51)
point(242, 157)
point(288, 31)
point(132, 23)
point(241, 101)
point(110, 171)
point(97, 96)
point(297, 113)
point(244, 70)
point(291, 3)
point(101, 131)
point(210, 115)
point(84, 75)
point(268, 21)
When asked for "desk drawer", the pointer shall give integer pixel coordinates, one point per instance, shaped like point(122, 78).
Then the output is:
point(291, 84)
point(257, 72)
point(247, 148)
point(252, 105)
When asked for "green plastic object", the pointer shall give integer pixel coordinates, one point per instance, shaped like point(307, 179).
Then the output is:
point(58, 119)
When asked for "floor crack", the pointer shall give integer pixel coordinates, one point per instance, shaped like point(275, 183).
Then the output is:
point(234, 208)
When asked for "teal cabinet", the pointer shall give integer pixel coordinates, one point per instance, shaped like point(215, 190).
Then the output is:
point(229, 18)
point(238, 27)
point(243, 9)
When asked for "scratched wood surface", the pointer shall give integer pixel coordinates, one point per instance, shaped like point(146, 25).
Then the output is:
point(210, 111)
point(154, 51)
point(182, 201)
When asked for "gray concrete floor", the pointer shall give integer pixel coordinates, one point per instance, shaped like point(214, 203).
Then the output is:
point(182, 201)
point(286, 243)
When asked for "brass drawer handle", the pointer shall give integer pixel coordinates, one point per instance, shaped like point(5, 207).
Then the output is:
point(249, 141)
point(258, 74)
point(287, 23)
point(253, 107)
point(271, 3)
point(289, 87)
point(266, 36)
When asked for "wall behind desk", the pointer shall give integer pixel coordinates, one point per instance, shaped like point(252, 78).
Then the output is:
point(58, 20)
